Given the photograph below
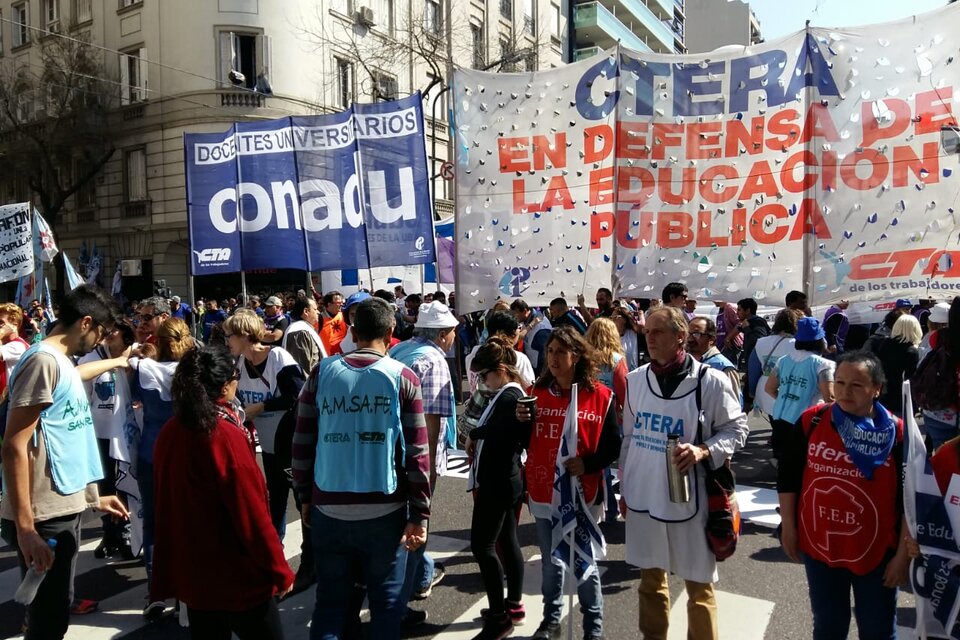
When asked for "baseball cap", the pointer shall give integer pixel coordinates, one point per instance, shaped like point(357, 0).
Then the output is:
point(356, 298)
point(435, 315)
point(175, 298)
point(903, 303)
point(940, 313)
point(808, 330)
point(272, 301)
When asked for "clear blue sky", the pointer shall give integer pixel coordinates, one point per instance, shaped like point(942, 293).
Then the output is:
point(781, 17)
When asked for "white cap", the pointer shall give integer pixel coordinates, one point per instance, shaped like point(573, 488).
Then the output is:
point(435, 315)
point(940, 313)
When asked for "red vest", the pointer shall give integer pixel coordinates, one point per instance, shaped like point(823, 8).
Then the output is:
point(846, 520)
point(592, 407)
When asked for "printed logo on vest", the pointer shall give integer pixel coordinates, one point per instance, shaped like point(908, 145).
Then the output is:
point(336, 437)
point(840, 513)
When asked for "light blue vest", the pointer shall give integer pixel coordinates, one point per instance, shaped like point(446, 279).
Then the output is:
point(605, 373)
point(358, 419)
point(67, 426)
point(721, 363)
point(798, 386)
point(407, 352)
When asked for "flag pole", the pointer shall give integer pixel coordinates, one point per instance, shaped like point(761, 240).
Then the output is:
point(572, 588)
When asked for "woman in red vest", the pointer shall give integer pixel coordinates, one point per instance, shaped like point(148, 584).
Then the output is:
point(840, 486)
point(569, 361)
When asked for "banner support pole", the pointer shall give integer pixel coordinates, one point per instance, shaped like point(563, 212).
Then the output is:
point(572, 588)
point(243, 285)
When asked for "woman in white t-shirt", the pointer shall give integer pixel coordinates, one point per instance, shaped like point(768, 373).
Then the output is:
point(764, 358)
point(269, 383)
point(503, 324)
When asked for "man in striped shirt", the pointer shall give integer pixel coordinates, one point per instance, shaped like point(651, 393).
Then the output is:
point(365, 492)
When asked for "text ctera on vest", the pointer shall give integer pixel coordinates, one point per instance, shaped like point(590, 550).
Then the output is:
point(658, 423)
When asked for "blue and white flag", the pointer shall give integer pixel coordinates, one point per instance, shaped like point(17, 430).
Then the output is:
point(571, 518)
point(935, 575)
point(73, 278)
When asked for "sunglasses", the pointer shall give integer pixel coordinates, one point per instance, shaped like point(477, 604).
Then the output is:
point(147, 317)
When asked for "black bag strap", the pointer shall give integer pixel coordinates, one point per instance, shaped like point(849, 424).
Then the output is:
point(698, 394)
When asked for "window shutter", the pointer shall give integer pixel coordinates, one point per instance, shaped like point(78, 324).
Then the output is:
point(142, 89)
point(124, 79)
point(266, 51)
point(226, 56)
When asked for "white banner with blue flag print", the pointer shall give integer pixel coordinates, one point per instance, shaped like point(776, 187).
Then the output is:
point(935, 574)
point(572, 523)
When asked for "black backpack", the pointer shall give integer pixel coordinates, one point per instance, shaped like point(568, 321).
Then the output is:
point(934, 385)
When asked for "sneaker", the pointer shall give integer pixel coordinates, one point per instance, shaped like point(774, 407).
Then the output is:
point(82, 607)
point(438, 573)
point(495, 628)
point(514, 609)
point(413, 618)
point(154, 610)
point(547, 631)
point(593, 636)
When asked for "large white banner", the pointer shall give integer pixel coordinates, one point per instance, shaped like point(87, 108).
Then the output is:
point(16, 241)
point(813, 162)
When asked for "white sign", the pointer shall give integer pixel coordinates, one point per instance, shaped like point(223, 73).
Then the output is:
point(16, 241)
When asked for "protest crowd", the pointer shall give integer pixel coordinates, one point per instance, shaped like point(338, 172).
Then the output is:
point(221, 410)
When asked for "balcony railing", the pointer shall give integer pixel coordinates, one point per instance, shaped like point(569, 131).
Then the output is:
point(247, 99)
point(135, 209)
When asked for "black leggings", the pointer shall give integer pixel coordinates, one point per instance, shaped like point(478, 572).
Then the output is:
point(261, 622)
point(495, 524)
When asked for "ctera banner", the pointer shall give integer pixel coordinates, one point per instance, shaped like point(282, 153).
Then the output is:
point(813, 162)
point(344, 190)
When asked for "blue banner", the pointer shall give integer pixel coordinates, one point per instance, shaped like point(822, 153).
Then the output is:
point(346, 190)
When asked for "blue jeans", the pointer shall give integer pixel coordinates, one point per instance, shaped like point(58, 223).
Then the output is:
point(373, 546)
point(419, 572)
point(145, 484)
point(939, 432)
point(588, 593)
point(874, 604)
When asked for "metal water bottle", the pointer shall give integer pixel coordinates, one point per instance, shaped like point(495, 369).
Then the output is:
point(678, 483)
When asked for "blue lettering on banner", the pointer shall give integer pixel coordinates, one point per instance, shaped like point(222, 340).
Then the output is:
point(346, 190)
point(698, 89)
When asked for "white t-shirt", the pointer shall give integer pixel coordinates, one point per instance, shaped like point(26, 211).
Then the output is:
point(523, 366)
point(109, 394)
point(12, 352)
point(769, 349)
point(629, 343)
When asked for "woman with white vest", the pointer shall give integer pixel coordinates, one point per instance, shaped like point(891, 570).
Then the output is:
point(270, 381)
point(664, 536)
point(301, 339)
point(569, 361)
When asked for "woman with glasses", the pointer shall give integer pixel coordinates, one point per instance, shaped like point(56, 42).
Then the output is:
point(569, 361)
point(497, 485)
point(270, 381)
point(151, 381)
point(208, 482)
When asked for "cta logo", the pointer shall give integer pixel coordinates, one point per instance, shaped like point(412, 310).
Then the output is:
point(419, 243)
point(213, 256)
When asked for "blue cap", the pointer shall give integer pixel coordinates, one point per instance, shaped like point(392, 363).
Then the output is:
point(356, 298)
point(808, 330)
point(903, 303)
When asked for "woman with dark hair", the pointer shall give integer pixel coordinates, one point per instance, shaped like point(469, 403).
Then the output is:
point(939, 403)
point(765, 355)
point(498, 486)
point(799, 380)
point(569, 361)
point(856, 445)
point(208, 482)
point(151, 380)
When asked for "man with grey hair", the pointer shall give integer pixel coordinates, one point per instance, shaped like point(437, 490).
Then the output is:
point(152, 313)
point(433, 335)
point(702, 345)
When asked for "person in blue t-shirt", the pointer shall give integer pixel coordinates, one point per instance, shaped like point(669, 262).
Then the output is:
point(213, 316)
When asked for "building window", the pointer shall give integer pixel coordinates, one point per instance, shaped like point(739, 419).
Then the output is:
point(432, 18)
point(20, 24)
point(386, 87)
point(383, 15)
point(344, 82)
point(245, 60)
point(529, 18)
point(133, 76)
point(506, 9)
point(129, 3)
point(530, 62)
point(86, 195)
point(135, 175)
point(82, 11)
point(506, 49)
point(51, 15)
point(555, 22)
point(479, 45)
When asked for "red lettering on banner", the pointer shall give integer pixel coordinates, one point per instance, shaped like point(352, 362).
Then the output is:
point(760, 181)
point(555, 152)
point(688, 186)
point(739, 136)
point(879, 167)
point(632, 140)
point(601, 186)
point(597, 143)
point(674, 229)
point(819, 124)
point(760, 220)
point(513, 155)
point(664, 137)
point(782, 125)
point(934, 110)
point(897, 112)
point(626, 180)
point(905, 159)
point(708, 185)
point(703, 140)
point(809, 220)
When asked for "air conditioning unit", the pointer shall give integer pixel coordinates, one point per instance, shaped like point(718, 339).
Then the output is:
point(365, 16)
point(131, 268)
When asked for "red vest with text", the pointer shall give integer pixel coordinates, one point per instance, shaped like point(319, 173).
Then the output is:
point(592, 407)
point(845, 520)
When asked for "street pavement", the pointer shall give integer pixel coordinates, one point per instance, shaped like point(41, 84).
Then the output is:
point(761, 594)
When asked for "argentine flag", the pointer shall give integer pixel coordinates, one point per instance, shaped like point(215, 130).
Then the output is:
point(572, 521)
